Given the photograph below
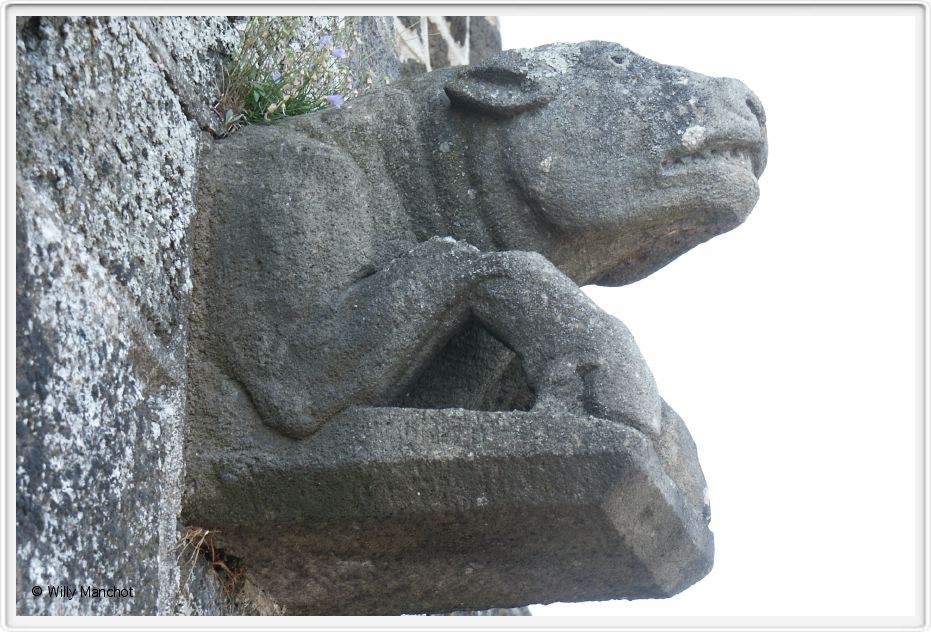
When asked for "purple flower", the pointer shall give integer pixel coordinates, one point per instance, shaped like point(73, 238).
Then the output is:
point(276, 76)
point(336, 100)
point(339, 53)
point(325, 40)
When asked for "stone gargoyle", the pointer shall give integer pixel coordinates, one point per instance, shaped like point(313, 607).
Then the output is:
point(401, 400)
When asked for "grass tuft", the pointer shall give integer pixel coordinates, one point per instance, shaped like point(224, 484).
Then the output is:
point(275, 73)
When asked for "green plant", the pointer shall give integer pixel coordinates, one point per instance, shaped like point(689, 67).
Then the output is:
point(275, 73)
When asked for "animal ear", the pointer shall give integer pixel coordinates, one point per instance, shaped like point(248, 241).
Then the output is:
point(502, 86)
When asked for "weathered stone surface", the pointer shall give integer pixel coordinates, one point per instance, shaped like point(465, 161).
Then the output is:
point(394, 510)
point(105, 168)
point(484, 38)
point(425, 248)
point(191, 53)
point(109, 115)
point(458, 28)
point(377, 48)
point(371, 257)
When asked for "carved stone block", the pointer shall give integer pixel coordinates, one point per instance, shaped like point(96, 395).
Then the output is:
point(401, 401)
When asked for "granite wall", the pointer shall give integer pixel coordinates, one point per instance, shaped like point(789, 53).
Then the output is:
point(110, 115)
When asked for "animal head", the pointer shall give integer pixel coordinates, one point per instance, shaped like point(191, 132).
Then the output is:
point(599, 137)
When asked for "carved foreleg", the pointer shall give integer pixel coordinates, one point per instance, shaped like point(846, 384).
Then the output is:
point(577, 358)
point(385, 328)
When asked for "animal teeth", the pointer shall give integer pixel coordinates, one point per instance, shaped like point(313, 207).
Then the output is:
point(730, 154)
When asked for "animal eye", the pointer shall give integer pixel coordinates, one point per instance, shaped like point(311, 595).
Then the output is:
point(618, 59)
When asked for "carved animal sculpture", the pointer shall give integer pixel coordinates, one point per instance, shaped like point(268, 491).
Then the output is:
point(438, 231)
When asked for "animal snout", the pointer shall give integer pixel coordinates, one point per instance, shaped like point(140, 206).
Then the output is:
point(756, 108)
point(741, 102)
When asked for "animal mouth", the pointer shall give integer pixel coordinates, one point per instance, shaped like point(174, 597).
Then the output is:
point(741, 156)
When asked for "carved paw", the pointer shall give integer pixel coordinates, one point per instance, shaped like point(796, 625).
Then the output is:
point(627, 394)
point(614, 384)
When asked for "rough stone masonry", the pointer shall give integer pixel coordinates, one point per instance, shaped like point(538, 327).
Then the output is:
point(110, 114)
point(400, 399)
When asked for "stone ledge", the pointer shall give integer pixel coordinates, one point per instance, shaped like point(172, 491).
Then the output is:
point(389, 510)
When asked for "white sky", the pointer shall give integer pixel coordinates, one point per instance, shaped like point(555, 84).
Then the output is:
point(790, 345)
